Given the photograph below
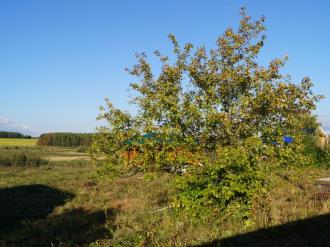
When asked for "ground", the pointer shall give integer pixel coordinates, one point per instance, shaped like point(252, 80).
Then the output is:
point(63, 204)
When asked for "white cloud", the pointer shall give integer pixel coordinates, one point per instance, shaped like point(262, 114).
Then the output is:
point(7, 125)
point(3, 120)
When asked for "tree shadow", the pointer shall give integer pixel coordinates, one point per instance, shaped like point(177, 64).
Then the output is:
point(26, 219)
point(28, 203)
point(76, 227)
point(313, 232)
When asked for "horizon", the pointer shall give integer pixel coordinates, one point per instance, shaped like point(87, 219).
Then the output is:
point(61, 59)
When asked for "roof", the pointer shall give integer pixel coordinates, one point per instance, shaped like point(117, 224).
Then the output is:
point(318, 130)
point(140, 140)
point(321, 132)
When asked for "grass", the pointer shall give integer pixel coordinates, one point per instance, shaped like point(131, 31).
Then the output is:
point(49, 153)
point(10, 158)
point(62, 204)
point(12, 142)
point(49, 206)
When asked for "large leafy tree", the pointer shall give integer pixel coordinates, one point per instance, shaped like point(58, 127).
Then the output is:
point(218, 111)
point(204, 99)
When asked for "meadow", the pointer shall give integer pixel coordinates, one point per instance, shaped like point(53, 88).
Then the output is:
point(48, 152)
point(12, 142)
point(63, 203)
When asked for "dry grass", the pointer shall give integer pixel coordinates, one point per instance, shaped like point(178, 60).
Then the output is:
point(293, 197)
point(125, 212)
point(68, 158)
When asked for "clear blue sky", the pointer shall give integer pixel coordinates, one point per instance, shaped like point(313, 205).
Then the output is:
point(60, 58)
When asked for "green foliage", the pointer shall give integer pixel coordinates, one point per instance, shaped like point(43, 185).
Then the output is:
point(6, 134)
point(17, 158)
point(320, 156)
point(204, 100)
point(216, 113)
point(231, 183)
point(65, 139)
point(111, 141)
point(323, 157)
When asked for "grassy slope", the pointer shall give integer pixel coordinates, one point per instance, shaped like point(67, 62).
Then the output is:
point(62, 206)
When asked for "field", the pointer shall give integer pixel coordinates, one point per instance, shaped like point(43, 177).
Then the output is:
point(63, 204)
point(49, 153)
point(10, 142)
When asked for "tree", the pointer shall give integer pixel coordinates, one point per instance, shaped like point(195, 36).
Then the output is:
point(218, 112)
point(208, 99)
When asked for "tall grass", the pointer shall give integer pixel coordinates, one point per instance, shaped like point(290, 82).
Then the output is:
point(20, 158)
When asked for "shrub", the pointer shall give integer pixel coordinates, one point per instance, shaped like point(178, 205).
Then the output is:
point(234, 179)
point(23, 159)
point(320, 156)
point(323, 157)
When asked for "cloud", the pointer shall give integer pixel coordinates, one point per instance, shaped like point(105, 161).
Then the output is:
point(3, 120)
point(325, 122)
point(7, 125)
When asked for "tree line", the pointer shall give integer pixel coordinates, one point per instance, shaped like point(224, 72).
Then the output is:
point(7, 134)
point(65, 139)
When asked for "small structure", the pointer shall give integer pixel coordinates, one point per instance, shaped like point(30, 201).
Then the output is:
point(323, 182)
point(323, 185)
point(322, 138)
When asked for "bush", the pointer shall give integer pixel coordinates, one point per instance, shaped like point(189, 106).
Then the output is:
point(234, 180)
point(323, 157)
point(320, 156)
point(23, 159)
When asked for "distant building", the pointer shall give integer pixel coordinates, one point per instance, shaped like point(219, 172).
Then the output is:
point(322, 138)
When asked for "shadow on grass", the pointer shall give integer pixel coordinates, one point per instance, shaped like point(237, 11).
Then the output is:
point(26, 219)
point(28, 203)
point(313, 232)
point(76, 227)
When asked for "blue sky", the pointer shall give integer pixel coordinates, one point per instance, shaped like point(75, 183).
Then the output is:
point(60, 58)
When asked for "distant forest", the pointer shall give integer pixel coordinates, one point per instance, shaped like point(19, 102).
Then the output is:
point(6, 134)
point(65, 139)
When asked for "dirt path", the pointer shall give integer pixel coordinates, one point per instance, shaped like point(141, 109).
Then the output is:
point(67, 158)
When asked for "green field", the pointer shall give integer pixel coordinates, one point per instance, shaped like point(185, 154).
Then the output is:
point(47, 152)
point(10, 142)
